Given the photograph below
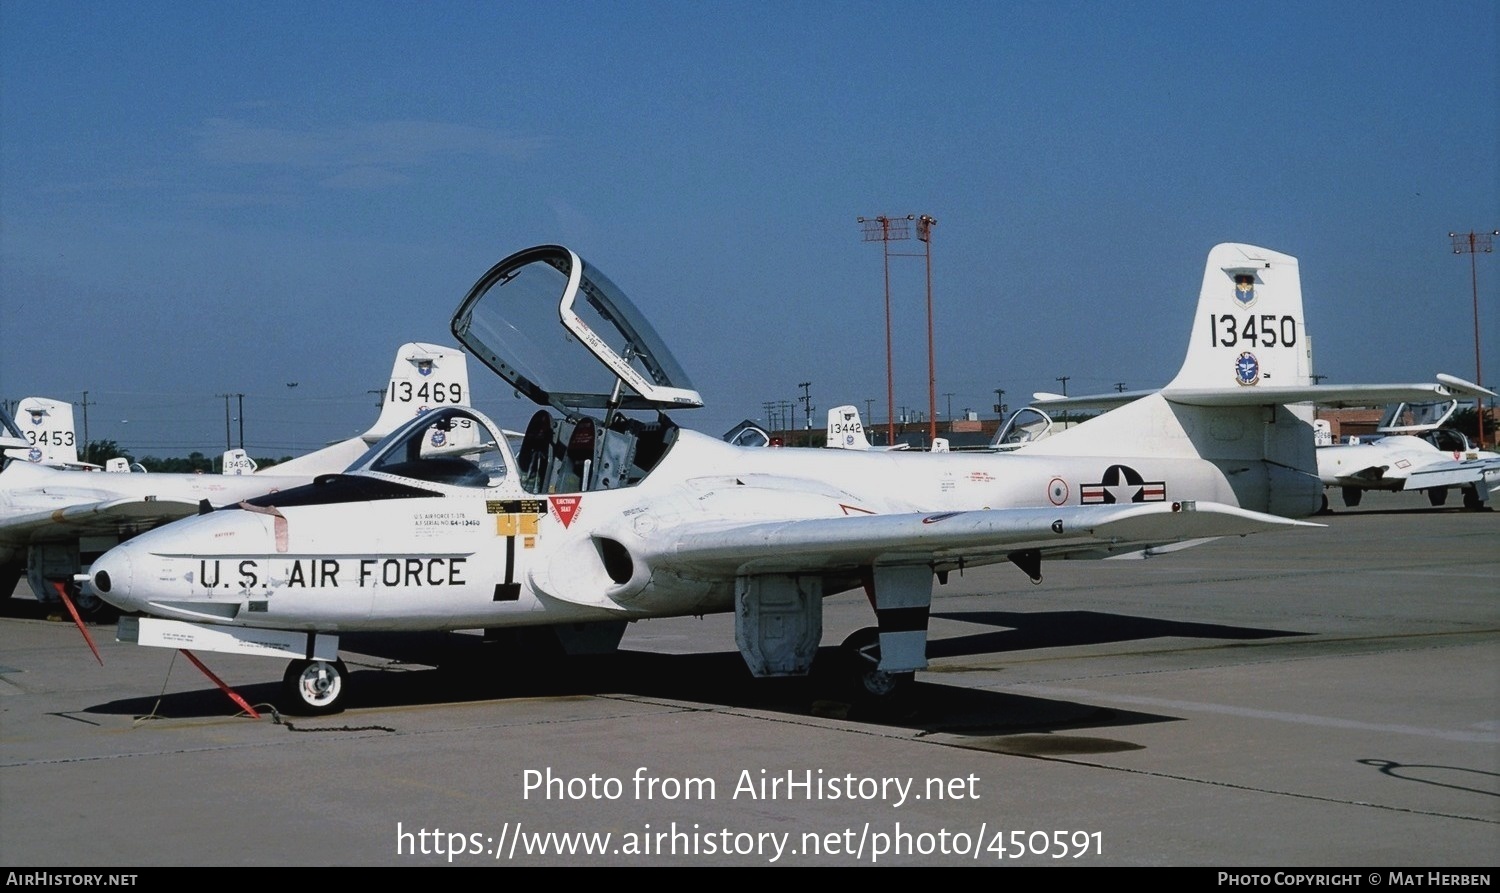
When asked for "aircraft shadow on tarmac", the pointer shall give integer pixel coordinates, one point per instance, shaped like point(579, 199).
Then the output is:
point(1475, 781)
point(1387, 513)
point(409, 669)
point(1056, 629)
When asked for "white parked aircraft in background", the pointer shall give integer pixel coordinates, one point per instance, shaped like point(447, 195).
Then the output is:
point(46, 426)
point(749, 434)
point(237, 461)
point(55, 521)
point(609, 512)
point(423, 377)
point(1412, 451)
point(847, 432)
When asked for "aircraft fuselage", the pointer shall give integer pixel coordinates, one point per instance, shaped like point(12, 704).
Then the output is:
point(499, 556)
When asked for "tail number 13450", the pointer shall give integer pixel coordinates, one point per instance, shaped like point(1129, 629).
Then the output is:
point(1265, 330)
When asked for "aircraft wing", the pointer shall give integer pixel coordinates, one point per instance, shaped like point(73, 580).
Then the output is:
point(1451, 473)
point(955, 538)
point(124, 515)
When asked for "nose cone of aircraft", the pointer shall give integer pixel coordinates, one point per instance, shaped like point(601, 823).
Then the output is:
point(175, 570)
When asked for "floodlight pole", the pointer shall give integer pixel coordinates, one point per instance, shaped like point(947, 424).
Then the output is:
point(924, 232)
point(1471, 243)
point(885, 230)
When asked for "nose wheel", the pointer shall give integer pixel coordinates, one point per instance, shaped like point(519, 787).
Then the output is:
point(315, 687)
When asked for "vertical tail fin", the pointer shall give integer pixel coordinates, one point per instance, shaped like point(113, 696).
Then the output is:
point(237, 462)
point(1248, 330)
point(47, 426)
point(845, 431)
point(1248, 340)
point(424, 376)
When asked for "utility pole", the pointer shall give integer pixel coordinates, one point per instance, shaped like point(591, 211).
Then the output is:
point(227, 442)
point(949, 395)
point(242, 420)
point(1119, 387)
point(85, 405)
point(807, 407)
point(1000, 403)
point(290, 385)
point(1472, 243)
point(1064, 380)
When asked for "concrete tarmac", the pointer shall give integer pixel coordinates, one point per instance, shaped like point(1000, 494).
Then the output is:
point(1312, 698)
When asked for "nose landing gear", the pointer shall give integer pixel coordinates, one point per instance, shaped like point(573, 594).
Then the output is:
point(316, 687)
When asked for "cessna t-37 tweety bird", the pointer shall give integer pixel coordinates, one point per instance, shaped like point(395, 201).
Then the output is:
point(45, 427)
point(1413, 451)
point(846, 431)
point(610, 512)
point(57, 515)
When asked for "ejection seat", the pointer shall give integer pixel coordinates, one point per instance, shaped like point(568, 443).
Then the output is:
point(535, 458)
point(547, 464)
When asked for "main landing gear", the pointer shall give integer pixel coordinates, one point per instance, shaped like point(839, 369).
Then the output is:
point(861, 660)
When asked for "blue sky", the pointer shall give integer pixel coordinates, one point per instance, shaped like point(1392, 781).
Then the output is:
point(198, 199)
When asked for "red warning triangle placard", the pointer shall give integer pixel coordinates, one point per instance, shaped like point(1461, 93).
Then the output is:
point(566, 507)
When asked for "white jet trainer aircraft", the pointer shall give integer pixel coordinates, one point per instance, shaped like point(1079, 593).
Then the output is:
point(1413, 451)
point(46, 426)
point(55, 520)
point(609, 512)
point(846, 431)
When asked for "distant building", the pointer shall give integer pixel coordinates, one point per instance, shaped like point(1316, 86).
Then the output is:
point(1351, 422)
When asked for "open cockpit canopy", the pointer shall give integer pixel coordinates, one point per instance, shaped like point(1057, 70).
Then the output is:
point(564, 336)
point(1409, 418)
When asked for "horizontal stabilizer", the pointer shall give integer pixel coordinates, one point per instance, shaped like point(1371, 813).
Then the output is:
point(1088, 401)
point(1462, 386)
point(1323, 395)
point(1332, 395)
